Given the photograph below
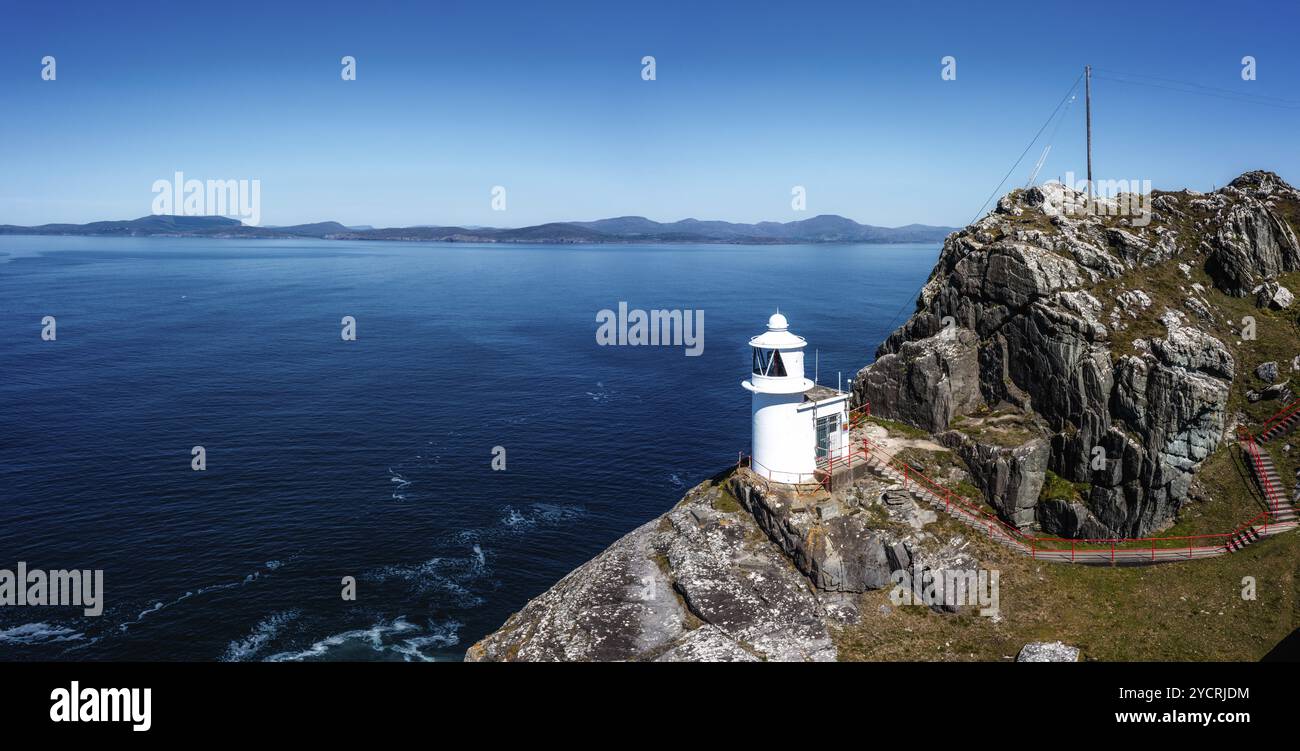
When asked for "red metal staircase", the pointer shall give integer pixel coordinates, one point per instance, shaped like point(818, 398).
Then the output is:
point(1280, 510)
point(1242, 539)
point(1281, 423)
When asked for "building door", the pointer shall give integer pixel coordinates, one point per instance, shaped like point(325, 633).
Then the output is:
point(827, 428)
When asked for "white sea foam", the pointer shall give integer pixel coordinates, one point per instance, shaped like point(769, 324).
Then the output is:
point(459, 576)
point(379, 638)
point(39, 633)
point(537, 514)
point(445, 635)
point(446, 575)
point(162, 605)
point(603, 394)
point(400, 484)
point(514, 519)
point(265, 630)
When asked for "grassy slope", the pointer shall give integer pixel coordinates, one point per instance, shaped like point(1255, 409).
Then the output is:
point(1176, 611)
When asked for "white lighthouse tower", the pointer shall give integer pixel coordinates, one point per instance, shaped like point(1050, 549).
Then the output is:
point(796, 424)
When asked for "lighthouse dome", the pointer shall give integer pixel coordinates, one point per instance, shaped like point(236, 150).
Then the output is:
point(778, 335)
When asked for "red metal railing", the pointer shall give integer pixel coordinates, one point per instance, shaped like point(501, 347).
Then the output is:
point(917, 479)
point(1279, 416)
point(1271, 494)
point(815, 481)
point(1032, 544)
point(826, 465)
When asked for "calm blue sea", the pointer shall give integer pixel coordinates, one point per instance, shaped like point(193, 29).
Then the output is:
point(371, 458)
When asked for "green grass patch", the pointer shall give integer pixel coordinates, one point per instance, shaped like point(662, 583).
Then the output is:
point(1003, 428)
point(900, 428)
point(1186, 611)
point(1057, 488)
point(725, 502)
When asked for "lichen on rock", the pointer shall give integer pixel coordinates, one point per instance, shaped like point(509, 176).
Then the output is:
point(697, 583)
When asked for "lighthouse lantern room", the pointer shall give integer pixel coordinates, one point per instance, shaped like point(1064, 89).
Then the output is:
point(797, 425)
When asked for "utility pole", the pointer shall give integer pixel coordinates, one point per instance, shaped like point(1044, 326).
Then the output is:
point(1087, 89)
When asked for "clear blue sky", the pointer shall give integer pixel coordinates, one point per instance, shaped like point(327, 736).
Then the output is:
point(546, 99)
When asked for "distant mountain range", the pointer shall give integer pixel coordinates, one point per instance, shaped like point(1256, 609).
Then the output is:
point(826, 228)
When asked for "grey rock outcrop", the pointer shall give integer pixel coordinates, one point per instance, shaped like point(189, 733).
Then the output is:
point(873, 533)
point(1021, 286)
point(838, 546)
point(927, 382)
point(1070, 519)
point(1279, 391)
point(1250, 242)
point(1168, 409)
point(1010, 477)
point(698, 583)
point(1270, 294)
point(1048, 651)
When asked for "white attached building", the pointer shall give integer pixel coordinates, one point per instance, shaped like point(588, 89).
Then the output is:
point(797, 425)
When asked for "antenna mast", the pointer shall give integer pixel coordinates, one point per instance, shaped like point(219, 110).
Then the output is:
point(1087, 88)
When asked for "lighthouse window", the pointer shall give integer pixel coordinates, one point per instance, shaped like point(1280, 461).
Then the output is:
point(768, 362)
point(778, 367)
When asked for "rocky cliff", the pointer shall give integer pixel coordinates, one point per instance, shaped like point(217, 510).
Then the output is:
point(1118, 333)
point(700, 583)
point(739, 570)
point(1072, 370)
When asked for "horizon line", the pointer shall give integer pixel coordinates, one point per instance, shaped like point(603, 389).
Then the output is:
point(264, 225)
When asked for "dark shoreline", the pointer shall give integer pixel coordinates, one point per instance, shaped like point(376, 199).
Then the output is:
point(825, 229)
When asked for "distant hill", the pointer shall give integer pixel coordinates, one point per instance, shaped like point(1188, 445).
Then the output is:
point(163, 224)
point(827, 228)
point(167, 225)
